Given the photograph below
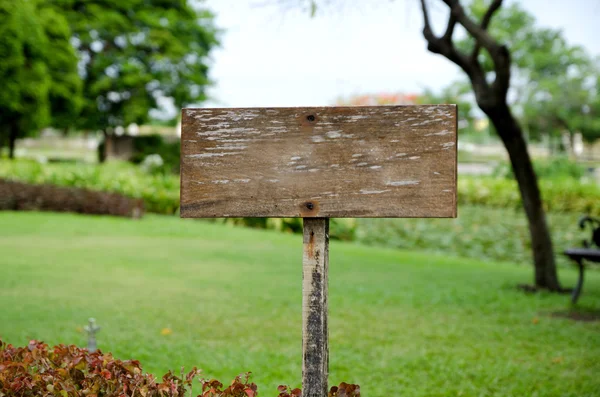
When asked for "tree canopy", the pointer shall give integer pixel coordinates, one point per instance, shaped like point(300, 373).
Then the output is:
point(554, 85)
point(133, 52)
point(99, 64)
point(32, 50)
point(66, 85)
point(490, 52)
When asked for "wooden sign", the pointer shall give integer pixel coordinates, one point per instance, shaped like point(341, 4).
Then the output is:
point(384, 161)
point(317, 163)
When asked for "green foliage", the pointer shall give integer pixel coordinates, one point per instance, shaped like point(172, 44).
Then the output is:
point(556, 84)
point(159, 192)
point(38, 72)
point(66, 85)
point(339, 229)
point(559, 167)
point(232, 298)
point(456, 93)
point(484, 233)
point(24, 76)
point(132, 52)
point(146, 145)
point(559, 195)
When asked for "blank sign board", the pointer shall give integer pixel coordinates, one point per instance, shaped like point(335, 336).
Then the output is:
point(342, 162)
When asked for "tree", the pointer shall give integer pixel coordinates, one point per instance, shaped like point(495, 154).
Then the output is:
point(552, 82)
point(24, 104)
point(66, 85)
point(491, 90)
point(133, 52)
point(38, 70)
point(487, 63)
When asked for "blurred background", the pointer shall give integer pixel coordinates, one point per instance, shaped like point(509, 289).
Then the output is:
point(92, 92)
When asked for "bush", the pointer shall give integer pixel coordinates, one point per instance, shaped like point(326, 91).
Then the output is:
point(560, 167)
point(559, 195)
point(147, 145)
point(339, 229)
point(19, 196)
point(160, 193)
point(69, 371)
point(482, 233)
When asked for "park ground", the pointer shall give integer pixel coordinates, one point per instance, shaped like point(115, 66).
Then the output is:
point(172, 293)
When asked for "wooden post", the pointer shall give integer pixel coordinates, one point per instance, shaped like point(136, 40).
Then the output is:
point(315, 344)
point(318, 163)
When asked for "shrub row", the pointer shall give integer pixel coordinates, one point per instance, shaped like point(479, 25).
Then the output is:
point(69, 371)
point(339, 229)
point(483, 233)
point(160, 192)
point(559, 195)
point(557, 167)
point(20, 196)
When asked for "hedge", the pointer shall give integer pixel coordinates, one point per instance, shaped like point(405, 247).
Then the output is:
point(559, 195)
point(20, 196)
point(160, 192)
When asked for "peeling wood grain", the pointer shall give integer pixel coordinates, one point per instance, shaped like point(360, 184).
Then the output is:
point(315, 337)
point(385, 161)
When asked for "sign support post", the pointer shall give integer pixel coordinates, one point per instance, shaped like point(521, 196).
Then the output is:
point(319, 163)
point(315, 336)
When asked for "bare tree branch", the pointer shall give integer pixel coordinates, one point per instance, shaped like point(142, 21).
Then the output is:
point(478, 33)
point(445, 46)
point(498, 52)
point(450, 29)
point(427, 32)
point(485, 23)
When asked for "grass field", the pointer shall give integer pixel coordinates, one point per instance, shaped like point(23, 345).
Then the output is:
point(401, 323)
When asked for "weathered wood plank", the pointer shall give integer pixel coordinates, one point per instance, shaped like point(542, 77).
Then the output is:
point(387, 161)
point(315, 337)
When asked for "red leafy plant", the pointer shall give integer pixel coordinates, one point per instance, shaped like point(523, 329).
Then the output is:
point(69, 371)
point(343, 390)
point(239, 387)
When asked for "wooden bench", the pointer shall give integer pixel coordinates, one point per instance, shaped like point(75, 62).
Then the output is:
point(589, 253)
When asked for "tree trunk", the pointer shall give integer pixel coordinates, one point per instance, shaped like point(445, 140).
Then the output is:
point(13, 133)
point(543, 253)
point(2, 140)
point(108, 147)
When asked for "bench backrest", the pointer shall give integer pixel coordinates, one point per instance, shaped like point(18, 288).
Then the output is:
point(595, 225)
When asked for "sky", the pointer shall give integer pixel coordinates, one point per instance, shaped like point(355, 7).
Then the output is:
point(273, 56)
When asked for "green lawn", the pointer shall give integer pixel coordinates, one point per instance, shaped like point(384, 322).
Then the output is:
point(401, 323)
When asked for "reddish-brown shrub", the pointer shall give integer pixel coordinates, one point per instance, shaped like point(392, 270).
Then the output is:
point(18, 196)
point(69, 371)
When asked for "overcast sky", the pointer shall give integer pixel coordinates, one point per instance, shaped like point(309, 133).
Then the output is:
point(273, 57)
